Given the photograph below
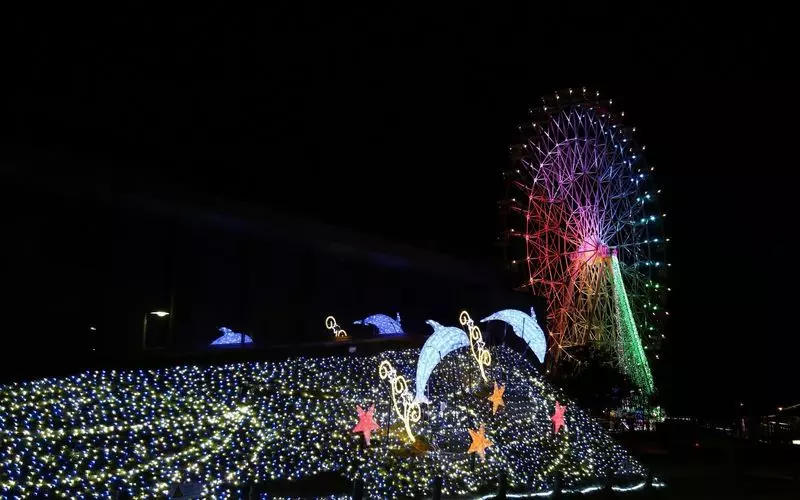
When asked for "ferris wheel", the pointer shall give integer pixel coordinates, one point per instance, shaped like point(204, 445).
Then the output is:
point(585, 213)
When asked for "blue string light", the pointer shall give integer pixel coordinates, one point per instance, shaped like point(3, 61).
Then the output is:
point(524, 326)
point(230, 337)
point(443, 341)
point(383, 323)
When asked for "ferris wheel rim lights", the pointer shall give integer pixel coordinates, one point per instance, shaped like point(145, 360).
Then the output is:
point(584, 181)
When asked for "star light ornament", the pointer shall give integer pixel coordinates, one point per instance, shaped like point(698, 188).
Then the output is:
point(366, 424)
point(558, 417)
point(497, 397)
point(479, 442)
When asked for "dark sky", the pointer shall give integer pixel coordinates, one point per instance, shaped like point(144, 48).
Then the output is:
point(397, 121)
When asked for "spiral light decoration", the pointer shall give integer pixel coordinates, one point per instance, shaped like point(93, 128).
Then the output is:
point(476, 344)
point(338, 331)
point(402, 399)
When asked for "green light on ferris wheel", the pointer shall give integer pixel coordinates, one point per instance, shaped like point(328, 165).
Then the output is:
point(633, 358)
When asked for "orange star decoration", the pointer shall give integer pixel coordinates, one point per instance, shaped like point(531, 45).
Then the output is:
point(479, 442)
point(365, 424)
point(497, 397)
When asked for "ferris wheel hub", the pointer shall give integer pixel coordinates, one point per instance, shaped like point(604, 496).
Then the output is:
point(592, 251)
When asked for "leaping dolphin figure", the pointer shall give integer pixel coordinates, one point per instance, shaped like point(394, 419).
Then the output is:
point(443, 341)
point(229, 337)
point(525, 327)
point(384, 324)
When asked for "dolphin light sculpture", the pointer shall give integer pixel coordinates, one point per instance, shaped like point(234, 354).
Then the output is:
point(229, 337)
point(385, 324)
point(445, 339)
point(526, 327)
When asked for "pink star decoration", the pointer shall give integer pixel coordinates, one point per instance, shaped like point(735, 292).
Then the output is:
point(366, 424)
point(558, 417)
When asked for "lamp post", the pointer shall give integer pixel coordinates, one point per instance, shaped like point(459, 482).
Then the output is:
point(158, 314)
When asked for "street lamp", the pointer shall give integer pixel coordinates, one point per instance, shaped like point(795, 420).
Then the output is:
point(158, 314)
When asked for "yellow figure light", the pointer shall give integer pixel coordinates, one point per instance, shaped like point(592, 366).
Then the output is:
point(403, 401)
point(338, 331)
point(476, 344)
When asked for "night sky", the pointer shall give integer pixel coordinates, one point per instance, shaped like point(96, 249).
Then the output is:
point(397, 122)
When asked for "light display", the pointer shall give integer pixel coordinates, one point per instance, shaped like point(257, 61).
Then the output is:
point(403, 402)
point(480, 354)
point(558, 417)
point(383, 323)
point(443, 341)
point(581, 190)
point(525, 327)
point(230, 337)
point(366, 424)
point(631, 352)
point(479, 442)
point(141, 431)
point(497, 397)
point(330, 324)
